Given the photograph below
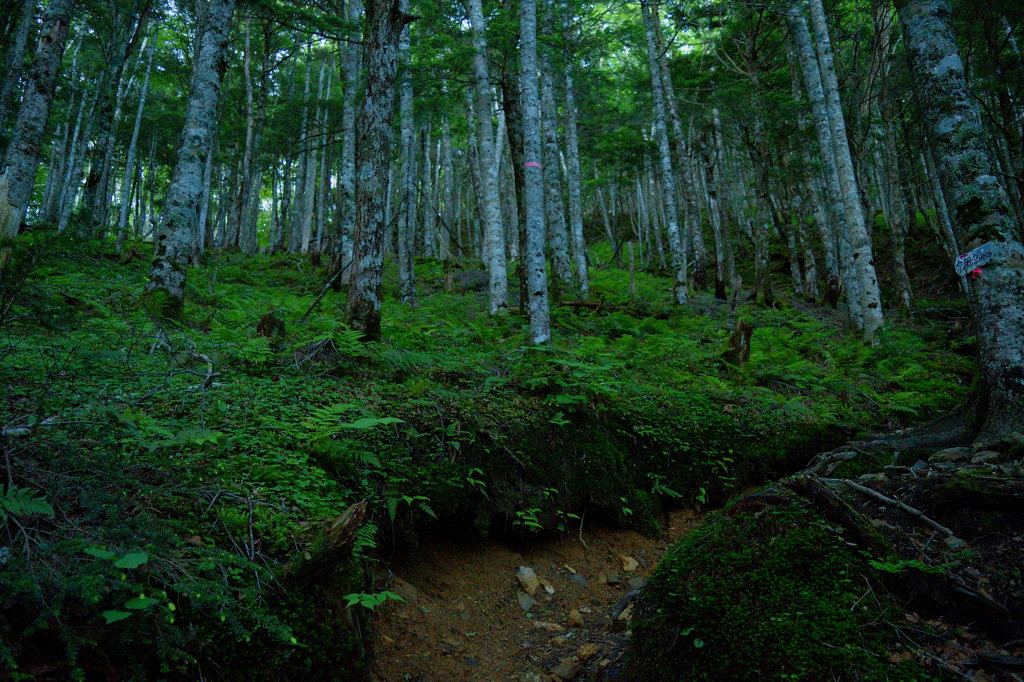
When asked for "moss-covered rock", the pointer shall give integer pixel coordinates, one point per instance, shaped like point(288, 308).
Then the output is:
point(764, 594)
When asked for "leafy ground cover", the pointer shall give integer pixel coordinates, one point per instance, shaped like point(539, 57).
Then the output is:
point(192, 468)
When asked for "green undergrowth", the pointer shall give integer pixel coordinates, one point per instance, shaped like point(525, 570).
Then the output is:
point(222, 444)
point(776, 594)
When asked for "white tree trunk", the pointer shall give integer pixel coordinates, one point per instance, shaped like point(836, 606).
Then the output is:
point(491, 204)
point(352, 66)
point(536, 272)
point(18, 173)
point(675, 241)
point(181, 207)
point(860, 242)
point(572, 150)
point(980, 211)
point(129, 164)
point(554, 208)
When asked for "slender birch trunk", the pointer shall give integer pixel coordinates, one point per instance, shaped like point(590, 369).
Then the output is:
point(384, 23)
point(129, 164)
point(675, 241)
point(980, 211)
point(554, 208)
point(353, 65)
point(429, 196)
point(407, 188)
point(447, 192)
point(860, 243)
point(313, 149)
point(536, 272)
point(495, 238)
point(572, 151)
point(181, 207)
point(16, 58)
point(816, 98)
point(21, 159)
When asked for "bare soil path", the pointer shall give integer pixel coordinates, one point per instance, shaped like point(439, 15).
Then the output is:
point(465, 616)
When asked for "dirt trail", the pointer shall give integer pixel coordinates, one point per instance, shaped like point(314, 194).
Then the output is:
point(464, 620)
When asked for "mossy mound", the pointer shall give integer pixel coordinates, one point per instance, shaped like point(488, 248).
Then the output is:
point(772, 591)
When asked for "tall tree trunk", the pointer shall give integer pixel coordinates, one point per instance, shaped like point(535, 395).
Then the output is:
point(816, 98)
point(384, 23)
point(512, 108)
point(494, 233)
point(860, 243)
point(554, 208)
point(129, 164)
point(675, 241)
point(352, 65)
point(572, 152)
point(536, 272)
point(407, 188)
point(980, 212)
point(15, 58)
point(21, 159)
point(177, 235)
point(447, 212)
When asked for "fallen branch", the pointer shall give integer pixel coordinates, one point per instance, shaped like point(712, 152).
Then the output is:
point(896, 503)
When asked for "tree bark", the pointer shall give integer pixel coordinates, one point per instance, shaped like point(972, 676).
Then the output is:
point(129, 164)
point(572, 150)
point(352, 65)
point(980, 212)
point(407, 188)
point(16, 58)
point(860, 242)
point(554, 208)
point(177, 233)
point(536, 272)
point(21, 159)
point(384, 23)
point(491, 205)
point(675, 241)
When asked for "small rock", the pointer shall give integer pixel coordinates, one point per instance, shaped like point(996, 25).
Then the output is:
point(950, 455)
point(550, 627)
point(579, 579)
point(627, 613)
point(533, 677)
point(471, 662)
point(873, 478)
point(548, 587)
point(881, 523)
point(636, 583)
point(629, 564)
point(567, 668)
point(919, 465)
point(602, 578)
point(452, 642)
point(955, 543)
point(587, 652)
point(986, 457)
point(575, 619)
point(404, 589)
point(586, 609)
point(528, 579)
point(559, 640)
point(526, 601)
point(613, 579)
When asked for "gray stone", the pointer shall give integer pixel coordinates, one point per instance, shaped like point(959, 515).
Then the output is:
point(955, 543)
point(636, 583)
point(567, 668)
point(528, 579)
point(986, 457)
point(613, 579)
point(526, 601)
point(579, 579)
point(950, 455)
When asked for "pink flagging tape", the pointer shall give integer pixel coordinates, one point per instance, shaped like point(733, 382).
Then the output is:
point(533, 164)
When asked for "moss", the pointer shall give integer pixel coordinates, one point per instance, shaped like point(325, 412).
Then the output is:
point(761, 596)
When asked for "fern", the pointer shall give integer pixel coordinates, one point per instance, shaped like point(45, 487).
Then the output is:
point(23, 501)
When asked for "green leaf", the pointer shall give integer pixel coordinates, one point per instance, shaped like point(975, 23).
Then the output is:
point(369, 422)
point(98, 553)
point(114, 616)
point(140, 603)
point(133, 560)
point(698, 643)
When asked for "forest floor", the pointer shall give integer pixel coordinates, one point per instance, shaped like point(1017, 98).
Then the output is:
point(219, 448)
point(464, 615)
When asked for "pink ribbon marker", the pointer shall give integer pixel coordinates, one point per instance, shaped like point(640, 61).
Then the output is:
point(533, 164)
